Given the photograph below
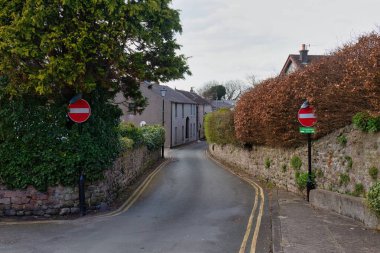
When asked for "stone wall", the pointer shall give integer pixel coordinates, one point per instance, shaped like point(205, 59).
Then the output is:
point(64, 200)
point(341, 161)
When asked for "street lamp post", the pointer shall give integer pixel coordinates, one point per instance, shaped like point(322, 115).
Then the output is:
point(163, 93)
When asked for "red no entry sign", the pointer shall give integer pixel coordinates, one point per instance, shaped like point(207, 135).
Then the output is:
point(307, 117)
point(79, 111)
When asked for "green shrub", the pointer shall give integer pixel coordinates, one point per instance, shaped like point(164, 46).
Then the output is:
point(359, 190)
point(373, 198)
point(366, 122)
point(153, 136)
point(129, 130)
point(219, 127)
point(267, 163)
point(342, 139)
point(349, 162)
point(126, 143)
point(296, 162)
point(373, 172)
point(302, 178)
point(344, 179)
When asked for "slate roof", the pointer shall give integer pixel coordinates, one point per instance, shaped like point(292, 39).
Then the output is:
point(295, 59)
point(171, 95)
point(195, 97)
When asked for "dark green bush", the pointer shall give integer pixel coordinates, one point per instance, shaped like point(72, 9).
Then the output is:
point(219, 127)
point(342, 139)
point(267, 163)
point(349, 162)
point(38, 147)
point(366, 122)
point(373, 198)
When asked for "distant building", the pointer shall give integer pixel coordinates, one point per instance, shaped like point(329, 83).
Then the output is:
point(295, 62)
point(183, 114)
point(203, 107)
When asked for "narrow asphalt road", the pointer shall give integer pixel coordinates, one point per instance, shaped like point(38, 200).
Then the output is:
point(192, 205)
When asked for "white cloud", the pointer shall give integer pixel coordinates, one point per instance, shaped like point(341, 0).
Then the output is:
point(231, 39)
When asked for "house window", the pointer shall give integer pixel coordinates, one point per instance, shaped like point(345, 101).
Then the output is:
point(183, 110)
point(175, 110)
point(191, 130)
point(187, 127)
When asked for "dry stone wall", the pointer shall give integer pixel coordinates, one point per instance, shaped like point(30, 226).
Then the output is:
point(64, 200)
point(341, 161)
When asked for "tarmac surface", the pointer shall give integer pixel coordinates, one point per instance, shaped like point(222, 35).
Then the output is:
point(297, 227)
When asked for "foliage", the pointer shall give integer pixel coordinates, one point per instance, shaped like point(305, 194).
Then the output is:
point(38, 147)
point(302, 178)
point(267, 114)
point(366, 123)
point(219, 127)
point(267, 163)
point(47, 46)
point(373, 198)
point(153, 136)
point(126, 143)
point(215, 92)
point(373, 172)
point(342, 139)
point(130, 131)
point(296, 163)
point(349, 162)
point(344, 179)
point(359, 190)
point(232, 90)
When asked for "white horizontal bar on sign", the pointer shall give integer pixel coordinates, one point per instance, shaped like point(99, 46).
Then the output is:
point(79, 110)
point(307, 116)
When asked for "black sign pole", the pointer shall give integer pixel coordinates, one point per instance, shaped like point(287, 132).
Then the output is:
point(82, 178)
point(309, 184)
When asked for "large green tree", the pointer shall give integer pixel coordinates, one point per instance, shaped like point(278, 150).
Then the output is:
point(51, 50)
point(47, 46)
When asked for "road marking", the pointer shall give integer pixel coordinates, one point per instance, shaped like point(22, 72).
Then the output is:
point(123, 208)
point(258, 189)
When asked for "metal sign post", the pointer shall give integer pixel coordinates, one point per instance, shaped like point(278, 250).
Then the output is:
point(307, 119)
point(79, 112)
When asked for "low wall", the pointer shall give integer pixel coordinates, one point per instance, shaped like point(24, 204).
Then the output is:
point(349, 206)
point(64, 200)
point(341, 161)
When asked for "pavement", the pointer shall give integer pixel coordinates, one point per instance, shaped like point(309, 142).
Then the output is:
point(298, 227)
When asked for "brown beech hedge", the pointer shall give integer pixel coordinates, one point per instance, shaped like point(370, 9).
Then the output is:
point(338, 86)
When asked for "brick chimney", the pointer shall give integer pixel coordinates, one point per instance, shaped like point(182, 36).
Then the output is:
point(303, 54)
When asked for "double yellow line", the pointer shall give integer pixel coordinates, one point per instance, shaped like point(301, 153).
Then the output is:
point(123, 208)
point(258, 196)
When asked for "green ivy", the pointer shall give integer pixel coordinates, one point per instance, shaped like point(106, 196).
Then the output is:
point(373, 198)
point(39, 147)
point(153, 136)
point(373, 172)
point(302, 178)
point(344, 179)
point(366, 122)
point(296, 162)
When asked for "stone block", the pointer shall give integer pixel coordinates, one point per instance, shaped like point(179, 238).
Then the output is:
point(10, 212)
point(38, 212)
point(74, 210)
point(20, 213)
point(5, 201)
point(52, 211)
point(64, 211)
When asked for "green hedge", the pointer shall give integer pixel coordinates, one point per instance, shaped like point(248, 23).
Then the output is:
point(366, 122)
point(152, 136)
point(373, 198)
point(219, 127)
point(38, 147)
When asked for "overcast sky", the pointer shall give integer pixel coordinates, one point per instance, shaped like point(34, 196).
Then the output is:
point(230, 39)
